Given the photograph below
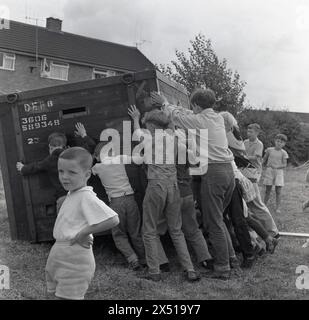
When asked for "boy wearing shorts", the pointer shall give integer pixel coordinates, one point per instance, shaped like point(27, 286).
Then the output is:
point(275, 159)
point(70, 265)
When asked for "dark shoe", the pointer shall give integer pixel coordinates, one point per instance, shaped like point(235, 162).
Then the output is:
point(234, 263)
point(135, 266)
point(259, 251)
point(271, 245)
point(217, 275)
point(156, 277)
point(277, 236)
point(248, 262)
point(208, 264)
point(192, 276)
point(165, 267)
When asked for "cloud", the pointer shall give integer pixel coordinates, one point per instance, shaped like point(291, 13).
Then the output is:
point(265, 41)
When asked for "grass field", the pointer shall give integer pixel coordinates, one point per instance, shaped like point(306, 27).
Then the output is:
point(273, 276)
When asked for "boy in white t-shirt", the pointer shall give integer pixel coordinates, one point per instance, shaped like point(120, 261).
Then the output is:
point(126, 235)
point(275, 159)
point(70, 265)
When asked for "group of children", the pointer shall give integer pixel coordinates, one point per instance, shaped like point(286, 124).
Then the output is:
point(170, 203)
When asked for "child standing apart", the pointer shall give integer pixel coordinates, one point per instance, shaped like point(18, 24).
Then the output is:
point(112, 173)
point(275, 159)
point(70, 265)
point(56, 142)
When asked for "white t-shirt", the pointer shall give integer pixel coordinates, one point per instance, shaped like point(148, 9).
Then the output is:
point(80, 209)
point(113, 176)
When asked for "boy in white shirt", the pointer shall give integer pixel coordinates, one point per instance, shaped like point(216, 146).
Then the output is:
point(112, 173)
point(70, 265)
point(275, 159)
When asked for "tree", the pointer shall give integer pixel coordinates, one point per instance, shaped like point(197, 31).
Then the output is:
point(202, 68)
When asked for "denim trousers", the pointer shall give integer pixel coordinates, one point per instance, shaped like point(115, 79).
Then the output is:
point(217, 187)
point(126, 234)
point(191, 230)
point(162, 199)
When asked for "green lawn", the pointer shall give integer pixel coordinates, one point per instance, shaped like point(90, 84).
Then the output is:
point(273, 276)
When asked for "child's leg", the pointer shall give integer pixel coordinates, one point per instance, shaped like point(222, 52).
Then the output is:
point(153, 205)
point(72, 268)
point(260, 211)
point(267, 193)
point(279, 183)
point(191, 230)
point(278, 198)
point(119, 232)
point(174, 223)
point(134, 227)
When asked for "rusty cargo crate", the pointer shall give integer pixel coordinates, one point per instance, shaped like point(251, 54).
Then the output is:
point(27, 118)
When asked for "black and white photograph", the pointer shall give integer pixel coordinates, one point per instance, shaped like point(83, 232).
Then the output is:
point(154, 155)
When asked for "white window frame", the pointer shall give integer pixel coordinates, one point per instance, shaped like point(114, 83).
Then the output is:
point(106, 72)
point(52, 64)
point(9, 56)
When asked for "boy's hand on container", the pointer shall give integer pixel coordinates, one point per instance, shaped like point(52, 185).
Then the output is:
point(157, 100)
point(19, 166)
point(86, 241)
point(134, 112)
point(80, 130)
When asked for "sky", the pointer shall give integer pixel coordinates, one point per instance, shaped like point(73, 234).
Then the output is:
point(266, 41)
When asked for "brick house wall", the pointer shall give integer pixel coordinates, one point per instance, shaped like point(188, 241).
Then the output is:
point(22, 78)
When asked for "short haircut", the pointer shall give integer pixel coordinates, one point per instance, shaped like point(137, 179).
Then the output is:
point(158, 118)
point(205, 98)
point(254, 126)
point(57, 139)
point(281, 137)
point(81, 155)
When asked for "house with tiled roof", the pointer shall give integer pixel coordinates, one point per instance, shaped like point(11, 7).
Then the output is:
point(34, 57)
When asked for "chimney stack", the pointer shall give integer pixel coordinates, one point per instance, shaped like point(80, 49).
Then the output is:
point(53, 24)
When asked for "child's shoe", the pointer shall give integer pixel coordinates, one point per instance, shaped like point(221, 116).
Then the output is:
point(271, 245)
point(135, 266)
point(165, 267)
point(248, 262)
point(192, 276)
point(208, 264)
point(234, 263)
point(260, 251)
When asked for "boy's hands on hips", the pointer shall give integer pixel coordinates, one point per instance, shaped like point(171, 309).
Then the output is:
point(84, 240)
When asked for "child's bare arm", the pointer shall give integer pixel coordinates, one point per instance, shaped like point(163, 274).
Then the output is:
point(135, 115)
point(83, 237)
point(34, 167)
point(265, 158)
